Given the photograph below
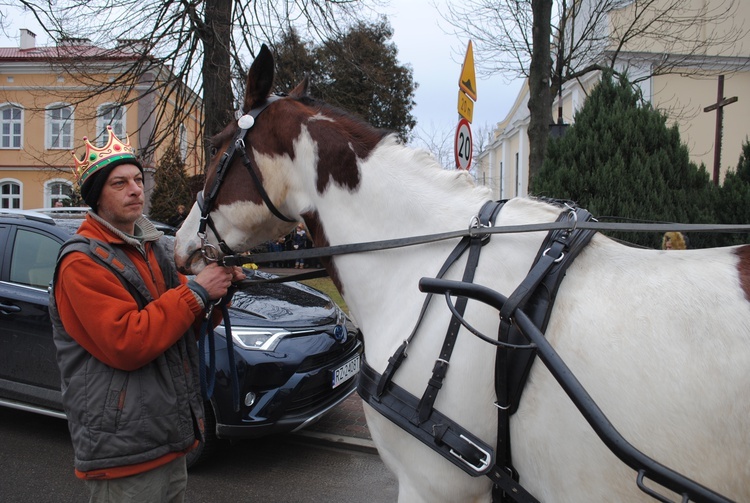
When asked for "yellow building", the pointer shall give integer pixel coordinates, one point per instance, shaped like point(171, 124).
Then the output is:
point(679, 81)
point(47, 107)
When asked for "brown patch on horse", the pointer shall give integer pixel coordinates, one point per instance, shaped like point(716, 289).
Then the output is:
point(341, 142)
point(743, 268)
point(284, 118)
point(319, 239)
point(341, 139)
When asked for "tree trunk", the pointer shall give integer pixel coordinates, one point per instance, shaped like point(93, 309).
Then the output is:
point(218, 99)
point(540, 100)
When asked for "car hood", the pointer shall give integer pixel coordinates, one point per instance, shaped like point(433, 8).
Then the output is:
point(280, 304)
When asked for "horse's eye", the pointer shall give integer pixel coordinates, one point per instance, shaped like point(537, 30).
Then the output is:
point(212, 151)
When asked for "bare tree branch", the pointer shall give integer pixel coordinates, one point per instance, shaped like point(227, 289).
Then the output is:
point(176, 50)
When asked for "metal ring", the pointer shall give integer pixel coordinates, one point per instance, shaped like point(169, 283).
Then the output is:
point(572, 214)
point(558, 259)
point(210, 252)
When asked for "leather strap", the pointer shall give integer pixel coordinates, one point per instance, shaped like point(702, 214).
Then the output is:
point(439, 432)
point(488, 213)
point(440, 368)
point(426, 405)
point(394, 362)
point(537, 291)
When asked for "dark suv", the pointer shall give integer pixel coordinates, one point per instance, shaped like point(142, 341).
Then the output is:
point(296, 352)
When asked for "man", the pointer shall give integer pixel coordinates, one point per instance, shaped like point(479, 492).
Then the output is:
point(124, 324)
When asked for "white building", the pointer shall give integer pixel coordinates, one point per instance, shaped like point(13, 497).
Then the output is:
point(682, 95)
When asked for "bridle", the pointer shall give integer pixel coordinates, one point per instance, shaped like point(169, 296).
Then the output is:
point(211, 254)
point(206, 203)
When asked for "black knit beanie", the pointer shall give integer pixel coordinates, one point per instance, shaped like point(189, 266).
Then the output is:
point(92, 187)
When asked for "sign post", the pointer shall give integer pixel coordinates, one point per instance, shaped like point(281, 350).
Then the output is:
point(467, 95)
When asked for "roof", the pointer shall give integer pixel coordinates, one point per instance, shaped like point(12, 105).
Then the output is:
point(65, 52)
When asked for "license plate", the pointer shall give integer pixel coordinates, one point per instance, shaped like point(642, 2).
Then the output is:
point(345, 372)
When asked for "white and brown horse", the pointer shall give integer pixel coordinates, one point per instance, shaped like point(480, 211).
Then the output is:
point(660, 339)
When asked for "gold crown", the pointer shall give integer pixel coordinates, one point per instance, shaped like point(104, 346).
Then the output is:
point(99, 158)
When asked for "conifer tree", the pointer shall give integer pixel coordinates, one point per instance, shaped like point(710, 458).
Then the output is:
point(733, 203)
point(171, 187)
point(620, 159)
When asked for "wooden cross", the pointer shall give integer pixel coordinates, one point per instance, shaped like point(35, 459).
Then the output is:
point(721, 102)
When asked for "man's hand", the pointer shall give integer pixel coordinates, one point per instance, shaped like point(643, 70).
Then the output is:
point(216, 279)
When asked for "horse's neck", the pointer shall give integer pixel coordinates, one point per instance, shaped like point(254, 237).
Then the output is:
point(403, 192)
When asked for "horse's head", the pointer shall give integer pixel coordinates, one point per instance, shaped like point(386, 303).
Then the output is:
point(269, 169)
point(243, 200)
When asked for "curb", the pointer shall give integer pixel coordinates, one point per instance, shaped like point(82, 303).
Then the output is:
point(340, 441)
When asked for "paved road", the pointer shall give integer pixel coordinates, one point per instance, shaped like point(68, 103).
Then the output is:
point(36, 466)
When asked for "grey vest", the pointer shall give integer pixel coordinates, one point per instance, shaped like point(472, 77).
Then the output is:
point(117, 417)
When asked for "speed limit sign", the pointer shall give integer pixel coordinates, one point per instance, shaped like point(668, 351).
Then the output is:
point(463, 145)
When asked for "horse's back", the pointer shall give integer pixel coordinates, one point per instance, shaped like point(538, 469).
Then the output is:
point(661, 341)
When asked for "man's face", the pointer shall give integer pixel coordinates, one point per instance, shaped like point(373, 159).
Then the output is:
point(121, 201)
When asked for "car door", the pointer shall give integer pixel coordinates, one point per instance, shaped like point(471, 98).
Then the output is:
point(28, 365)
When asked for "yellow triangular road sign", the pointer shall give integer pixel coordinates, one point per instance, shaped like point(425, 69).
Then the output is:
point(468, 80)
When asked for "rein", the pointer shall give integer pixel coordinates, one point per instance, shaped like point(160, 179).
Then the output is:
point(473, 231)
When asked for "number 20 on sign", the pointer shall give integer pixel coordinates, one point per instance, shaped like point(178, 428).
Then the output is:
point(463, 145)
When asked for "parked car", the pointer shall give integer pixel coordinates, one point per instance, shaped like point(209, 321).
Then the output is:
point(296, 352)
point(78, 212)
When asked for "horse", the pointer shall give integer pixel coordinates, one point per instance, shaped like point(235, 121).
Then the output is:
point(659, 339)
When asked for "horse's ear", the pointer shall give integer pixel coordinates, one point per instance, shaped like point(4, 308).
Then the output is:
point(259, 79)
point(301, 89)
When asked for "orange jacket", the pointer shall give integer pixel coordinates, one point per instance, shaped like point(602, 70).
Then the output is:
point(102, 316)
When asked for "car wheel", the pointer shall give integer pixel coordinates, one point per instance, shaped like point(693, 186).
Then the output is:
point(210, 443)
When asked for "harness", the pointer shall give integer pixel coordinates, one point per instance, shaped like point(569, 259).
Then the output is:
point(513, 361)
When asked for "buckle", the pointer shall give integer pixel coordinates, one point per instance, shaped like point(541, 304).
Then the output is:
point(484, 463)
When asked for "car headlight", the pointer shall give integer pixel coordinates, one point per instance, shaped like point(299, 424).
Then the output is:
point(260, 339)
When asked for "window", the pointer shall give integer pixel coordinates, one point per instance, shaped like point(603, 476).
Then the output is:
point(60, 127)
point(11, 121)
point(183, 142)
point(10, 195)
point(110, 114)
point(33, 258)
point(57, 193)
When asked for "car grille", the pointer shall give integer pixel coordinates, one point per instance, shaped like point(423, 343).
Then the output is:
point(323, 359)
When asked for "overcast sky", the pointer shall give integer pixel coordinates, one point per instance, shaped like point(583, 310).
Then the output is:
point(435, 57)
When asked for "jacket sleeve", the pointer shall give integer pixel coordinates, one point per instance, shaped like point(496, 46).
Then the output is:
point(216, 314)
point(102, 316)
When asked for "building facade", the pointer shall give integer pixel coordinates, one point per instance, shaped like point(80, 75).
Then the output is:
point(682, 94)
point(51, 97)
